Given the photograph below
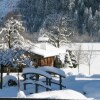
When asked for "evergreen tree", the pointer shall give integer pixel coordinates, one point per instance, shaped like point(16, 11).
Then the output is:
point(67, 61)
point(73, 59)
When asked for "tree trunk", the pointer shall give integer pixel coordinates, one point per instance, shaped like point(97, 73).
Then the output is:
point(8, 71)
point(9, 40)
point(58, 43)
point(1, 76)
point(78, 67)
point(89, 70)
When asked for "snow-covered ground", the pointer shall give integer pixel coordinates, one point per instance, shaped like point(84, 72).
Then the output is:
point(78, 86)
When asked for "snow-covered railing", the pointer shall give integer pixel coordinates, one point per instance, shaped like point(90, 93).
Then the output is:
point(37, 83)
point(52, 69)
point(56, 71)
point(36, 71)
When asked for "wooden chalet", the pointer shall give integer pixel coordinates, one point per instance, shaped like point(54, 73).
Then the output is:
point(44, 53)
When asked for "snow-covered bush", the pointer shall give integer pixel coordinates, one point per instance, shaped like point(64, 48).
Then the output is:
point(70, 77)
point(69, 74)
point(11, 57)
point(80, 75)
point(9, 80)
point(67, 61)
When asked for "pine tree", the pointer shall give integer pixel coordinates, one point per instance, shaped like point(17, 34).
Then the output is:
point(90, 25)
point(73, 59)
point(67, 61)
point(96, 22)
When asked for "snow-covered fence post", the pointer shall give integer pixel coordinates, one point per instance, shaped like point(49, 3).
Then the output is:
point(18, 66)
point(18, 77)
point(18, 80)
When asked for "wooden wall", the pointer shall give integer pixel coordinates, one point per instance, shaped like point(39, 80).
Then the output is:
point(40, 60)
point(49, 61)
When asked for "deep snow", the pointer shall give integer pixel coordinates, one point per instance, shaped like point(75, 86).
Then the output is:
point(78, 86)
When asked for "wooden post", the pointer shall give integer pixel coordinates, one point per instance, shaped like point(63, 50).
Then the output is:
point(47, 83)
point(24, 86)
point(60, 83)
point(50, 82)
point(36, 87)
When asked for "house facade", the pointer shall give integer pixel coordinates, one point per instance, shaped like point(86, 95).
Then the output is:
point(44, 53)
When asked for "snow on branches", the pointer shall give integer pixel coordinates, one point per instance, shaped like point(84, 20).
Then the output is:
point(11, 32)
point(10, 57)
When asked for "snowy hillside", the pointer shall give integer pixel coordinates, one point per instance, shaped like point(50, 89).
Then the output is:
point(7, 6)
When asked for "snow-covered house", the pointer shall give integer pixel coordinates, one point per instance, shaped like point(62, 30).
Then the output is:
point(44, 52)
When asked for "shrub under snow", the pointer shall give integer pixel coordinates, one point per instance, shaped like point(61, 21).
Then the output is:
point(7, 78)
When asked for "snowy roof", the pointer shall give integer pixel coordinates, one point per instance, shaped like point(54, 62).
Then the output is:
point(47, 51)
point(44, 49)
point(44, 37)
point(44, 53)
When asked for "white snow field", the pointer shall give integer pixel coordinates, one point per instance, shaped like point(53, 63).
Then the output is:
point(78, 86)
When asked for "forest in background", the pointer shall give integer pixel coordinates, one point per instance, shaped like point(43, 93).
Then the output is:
point(79, 17)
